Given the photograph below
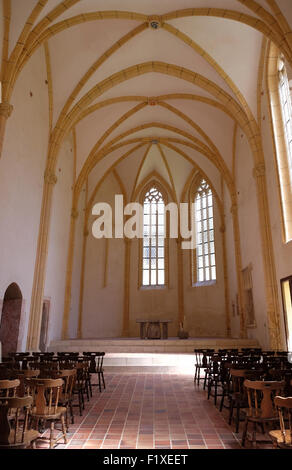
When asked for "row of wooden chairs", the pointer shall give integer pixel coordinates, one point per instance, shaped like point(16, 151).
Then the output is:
point(245, 378)
point(45, 388)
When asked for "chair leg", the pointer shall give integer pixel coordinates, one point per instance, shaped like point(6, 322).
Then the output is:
point(237, 418)
point(64, 429)
point(244, 433)
point(71, 412)
point(254, 434)
point(52, 434)
point(215, 393)
point(231, 411)
point(222, 400)
point(103, 380)
point(99, 381)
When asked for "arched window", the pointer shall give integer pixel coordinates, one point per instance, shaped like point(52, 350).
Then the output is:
point(286, 107)
point(153, 264)
point(281, 113)
point(205, 242)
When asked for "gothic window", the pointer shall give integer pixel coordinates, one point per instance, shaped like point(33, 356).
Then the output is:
point(205, 243)
point(286, 107)
point(153, 262)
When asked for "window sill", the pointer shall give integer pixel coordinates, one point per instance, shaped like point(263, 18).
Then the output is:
point(153, 287)
point(204, 283)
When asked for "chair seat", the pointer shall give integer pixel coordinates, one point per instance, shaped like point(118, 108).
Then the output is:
point(47, 415)
point(278, 436)
point(29, 436)
point(256, 415)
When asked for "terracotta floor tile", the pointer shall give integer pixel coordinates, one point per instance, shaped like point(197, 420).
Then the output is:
point(146, 411)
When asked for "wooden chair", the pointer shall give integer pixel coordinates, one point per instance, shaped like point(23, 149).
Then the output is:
point(8, 388)
point(99, 369)
point(80, 386)
point(283, 437)
point(238, 394)
point(201, 364)
point(46, 394)
point(14, 432)
point(66, 397)
point(261, 409)
point(22, 375)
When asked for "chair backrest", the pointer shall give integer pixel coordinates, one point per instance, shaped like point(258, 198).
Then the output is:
point(8, 388)
point(261, 395)
point(46, 394)
point(12, 431)
point(22, 375)
point(69, 377)
point(284, 406)
point(99, 361)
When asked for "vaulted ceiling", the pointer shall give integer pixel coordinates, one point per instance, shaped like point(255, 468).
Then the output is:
point(145, 85)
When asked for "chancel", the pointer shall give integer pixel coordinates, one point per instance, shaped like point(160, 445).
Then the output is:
point(146, 223)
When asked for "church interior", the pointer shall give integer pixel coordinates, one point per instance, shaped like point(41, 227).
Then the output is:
point(178, 106)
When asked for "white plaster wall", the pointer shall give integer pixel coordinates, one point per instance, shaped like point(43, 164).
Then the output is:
point(76, 273)
point(205, 305)
point(103, 306)
point(231, 267)
point(58, 239)
point(22, 167)
point(250, 238)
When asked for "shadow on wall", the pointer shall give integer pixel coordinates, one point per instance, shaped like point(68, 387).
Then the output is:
point(10, 319)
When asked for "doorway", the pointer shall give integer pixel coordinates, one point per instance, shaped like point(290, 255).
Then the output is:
point(286, 288)
point(44, 326)
point(10, 319)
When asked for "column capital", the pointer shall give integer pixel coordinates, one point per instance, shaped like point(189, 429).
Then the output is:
point(6, 109)
point(50, 177)
point(259, 170)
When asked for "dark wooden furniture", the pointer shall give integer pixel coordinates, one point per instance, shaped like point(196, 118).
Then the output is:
point(283, 437)
point(14, 431)
point(261, 409)
point(46, 395)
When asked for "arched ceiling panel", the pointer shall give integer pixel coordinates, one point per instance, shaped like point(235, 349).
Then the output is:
point(91, 128)
point(216, 124)
point(154, 45)
point(285, 7)
point(179, 167)
point(152, 85)
point(235, 47)
point(154, 114)
point(147, 7)
point(74, 50)
point(128, 169)
point(204, 163)
point(153, 163)
point(103, 165)
point(20, 11)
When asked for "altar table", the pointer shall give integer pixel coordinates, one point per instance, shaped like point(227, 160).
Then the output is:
point(153, 330)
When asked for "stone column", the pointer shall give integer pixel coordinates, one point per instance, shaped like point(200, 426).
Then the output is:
point(40, 263)
point(272, 298)
point(68, 284)
point(238, 263)
point(81, 293)
point(126, 308)
point(5, 113)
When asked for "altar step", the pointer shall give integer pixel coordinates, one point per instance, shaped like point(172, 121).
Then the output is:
point(137, 345)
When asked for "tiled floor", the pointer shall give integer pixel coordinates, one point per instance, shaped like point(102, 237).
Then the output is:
point(146, 411)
